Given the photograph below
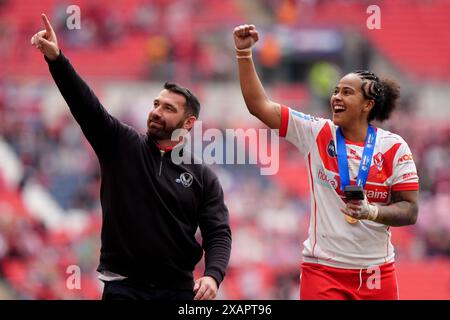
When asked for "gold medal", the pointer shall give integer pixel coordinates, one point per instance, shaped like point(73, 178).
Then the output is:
point(350, 220)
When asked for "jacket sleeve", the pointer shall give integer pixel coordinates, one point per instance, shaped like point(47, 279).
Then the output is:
point(98, 126)
point(215, 228)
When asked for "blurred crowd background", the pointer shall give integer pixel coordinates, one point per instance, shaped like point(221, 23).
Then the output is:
point(50, 214)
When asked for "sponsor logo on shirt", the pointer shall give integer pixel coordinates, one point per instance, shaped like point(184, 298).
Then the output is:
point(303, 116)
point(405, 158)
point(353, 155)
point(326, 179)
point(409, 175)
point(377, 195)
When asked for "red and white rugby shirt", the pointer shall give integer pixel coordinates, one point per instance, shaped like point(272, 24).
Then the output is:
point(332, 241)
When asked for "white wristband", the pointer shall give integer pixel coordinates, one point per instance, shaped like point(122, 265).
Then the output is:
point(243, 50)
point(244, 57)
point(373, 212)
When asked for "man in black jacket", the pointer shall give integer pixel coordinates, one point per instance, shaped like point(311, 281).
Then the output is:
point(151, 206)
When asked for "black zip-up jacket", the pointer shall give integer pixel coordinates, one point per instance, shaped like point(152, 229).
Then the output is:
point(151, 206)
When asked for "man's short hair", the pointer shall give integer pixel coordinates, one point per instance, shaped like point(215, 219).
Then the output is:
point(192, 103)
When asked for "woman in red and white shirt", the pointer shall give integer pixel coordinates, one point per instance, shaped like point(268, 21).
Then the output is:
point(348, 254)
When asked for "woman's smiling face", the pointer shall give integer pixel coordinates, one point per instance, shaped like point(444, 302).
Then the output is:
point(348, 103)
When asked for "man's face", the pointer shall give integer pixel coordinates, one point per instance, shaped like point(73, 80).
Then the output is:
point(168, 114)
point(348, 103)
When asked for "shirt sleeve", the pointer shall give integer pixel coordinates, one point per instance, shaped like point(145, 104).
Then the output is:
point(98, 126)
point(405, 176)
point(299, 128)
point(215, 228)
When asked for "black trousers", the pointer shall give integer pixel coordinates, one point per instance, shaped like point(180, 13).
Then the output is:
point(131, 290)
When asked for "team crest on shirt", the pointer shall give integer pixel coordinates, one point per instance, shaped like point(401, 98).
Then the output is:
point(378, 159)
point(185, 179)
point(331, 149)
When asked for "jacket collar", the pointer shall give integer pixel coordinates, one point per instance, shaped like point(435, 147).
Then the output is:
point(155, 146)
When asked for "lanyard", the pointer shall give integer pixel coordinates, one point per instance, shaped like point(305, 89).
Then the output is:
point(366, 159)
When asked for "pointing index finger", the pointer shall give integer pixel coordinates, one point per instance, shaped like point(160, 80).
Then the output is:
point(48, 26)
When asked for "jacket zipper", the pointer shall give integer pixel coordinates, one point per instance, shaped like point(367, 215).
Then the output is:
point(161, 162)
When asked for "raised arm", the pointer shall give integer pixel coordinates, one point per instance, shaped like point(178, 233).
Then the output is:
point(259, 105)
point(97, 125)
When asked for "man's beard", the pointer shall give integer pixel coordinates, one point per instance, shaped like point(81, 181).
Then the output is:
point(163, 133)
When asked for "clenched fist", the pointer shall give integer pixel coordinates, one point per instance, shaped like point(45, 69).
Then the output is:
point(45, 40)
point(245, 36)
